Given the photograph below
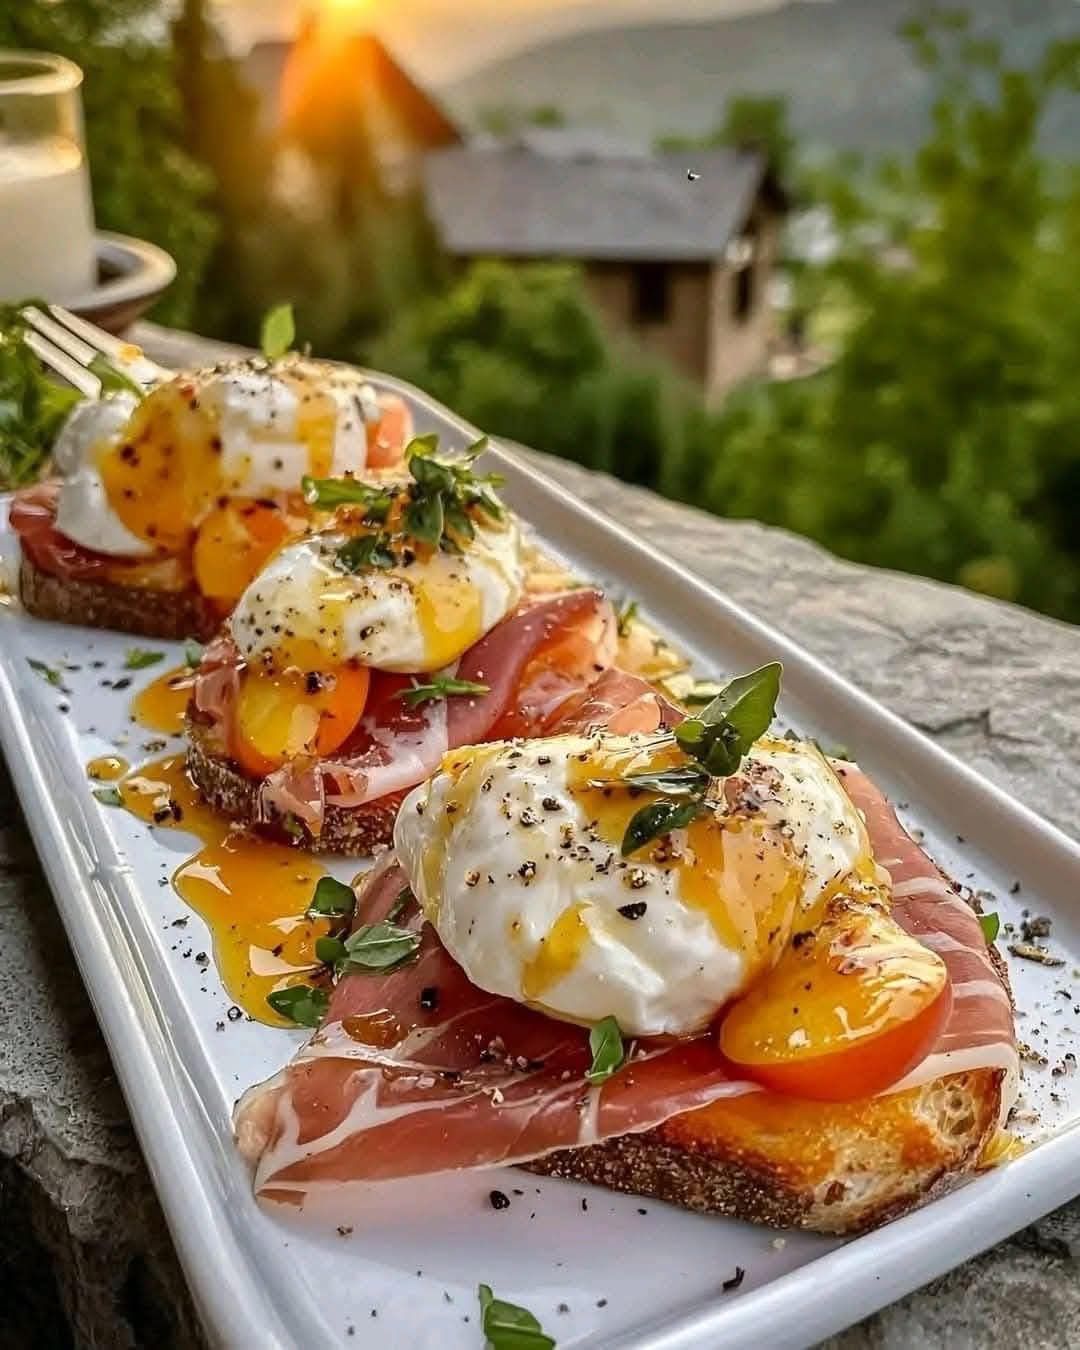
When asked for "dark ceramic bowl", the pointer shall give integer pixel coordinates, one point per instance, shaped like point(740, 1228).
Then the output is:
point(131, 276)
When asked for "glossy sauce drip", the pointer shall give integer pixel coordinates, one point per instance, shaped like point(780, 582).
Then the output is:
point(448, 610)
point(738, 871)
point(107, 768)
point(161, 705)
point(381, 1028)
point(251, 893)
point(558, 952)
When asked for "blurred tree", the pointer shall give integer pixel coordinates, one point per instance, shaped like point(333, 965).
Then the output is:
point(749, 121)
point(510, 119)
point(145, 183)
point(519, 351)
point(946, 438)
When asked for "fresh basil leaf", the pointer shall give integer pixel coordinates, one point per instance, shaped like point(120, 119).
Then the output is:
point(431, 474)
point(422, 445)
point(401, 903)
point(192, 655)
point(474, 451)
point(380, 946)
point(608, 1051)
point(138, 658)
point(300, 1003)
point(330, 950)
point(726, 728)
point(113, 379)
point(424, 520)
point(332, 900)
point(443, 686)
point(657, 819)
point(108, 796)
point(327, 492)
point(625, 617)
point(33, 407)
point(506, 1326)
point(364, 550)
point(278, 332)
point(486, 502)
point(687, 781)
point(48, 673)
point(991, 926)
point(456, 518)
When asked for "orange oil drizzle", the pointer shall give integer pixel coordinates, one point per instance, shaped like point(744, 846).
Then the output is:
point(162, 704)
point(107, 768)
point(251, 893)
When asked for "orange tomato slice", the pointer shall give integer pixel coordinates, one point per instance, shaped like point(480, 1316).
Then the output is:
point(280, 716)
point(233, 545)
point(853, 1004)
point(387, 437)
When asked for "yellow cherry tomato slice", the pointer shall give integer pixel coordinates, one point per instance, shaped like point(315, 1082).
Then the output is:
point(387, 437)
point(233, 545)
point(282, 715)
point(853, 1003)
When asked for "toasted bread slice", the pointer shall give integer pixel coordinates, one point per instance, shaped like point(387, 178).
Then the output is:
point(167, 615)
point(355, 831)
point(831, 1167)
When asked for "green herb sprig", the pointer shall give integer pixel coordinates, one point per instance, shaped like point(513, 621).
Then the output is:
point(332, 900)
point(716, 740)
point(33, 407)
point(443, 686)
point(991, 926)
point(278, 332)
point(139, 658)
point(303, 1004)
point(507, 1326)
point(608, 1051)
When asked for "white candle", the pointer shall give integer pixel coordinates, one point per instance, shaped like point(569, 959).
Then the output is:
point(46, 221)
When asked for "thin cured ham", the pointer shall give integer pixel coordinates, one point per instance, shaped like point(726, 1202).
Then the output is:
point(539, 658)
point(419, 1071)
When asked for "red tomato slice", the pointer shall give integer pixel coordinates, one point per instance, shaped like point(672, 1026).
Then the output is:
point(387, 437)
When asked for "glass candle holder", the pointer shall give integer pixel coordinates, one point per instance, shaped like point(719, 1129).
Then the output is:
point(46, 217)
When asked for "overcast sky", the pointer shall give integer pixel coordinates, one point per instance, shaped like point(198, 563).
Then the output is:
point(442, 39)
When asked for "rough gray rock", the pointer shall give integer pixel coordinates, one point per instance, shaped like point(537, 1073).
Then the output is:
point(85, 1257)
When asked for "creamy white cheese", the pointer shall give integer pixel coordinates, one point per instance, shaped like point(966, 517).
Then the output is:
point(532, 900)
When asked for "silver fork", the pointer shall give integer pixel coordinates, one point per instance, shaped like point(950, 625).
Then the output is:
point(71, 348)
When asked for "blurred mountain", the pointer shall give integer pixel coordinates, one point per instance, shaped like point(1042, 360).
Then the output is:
point(849, 78)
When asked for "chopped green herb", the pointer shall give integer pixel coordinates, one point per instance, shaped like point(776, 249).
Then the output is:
point(657, 819)
point(138, 658)
point(380, 946)
point(332, 900)
point(278, 332)
point(425, 517)
point(192, 654)
point(443, 686)
point(300, 1003)
point(727, 727)
point(506, 1326)
point(991, 926)
point(108, 796)
point(364, 550)
point(625, 617)
point(292, 825)
point(114, 380)
point(688, 780)
point(401, 903)
point(330, 950)
point(48, 673)
point(329, 492)
point(608, 1052)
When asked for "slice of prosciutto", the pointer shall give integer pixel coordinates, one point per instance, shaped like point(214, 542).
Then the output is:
point(418, 1071)
point(542, 656)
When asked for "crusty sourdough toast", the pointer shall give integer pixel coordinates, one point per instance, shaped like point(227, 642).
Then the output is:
point(167, 615)
point(831, 1167)
point(355, 831)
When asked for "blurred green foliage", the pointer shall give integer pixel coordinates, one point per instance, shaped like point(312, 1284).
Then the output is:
point(943, 439)
point(748, 120)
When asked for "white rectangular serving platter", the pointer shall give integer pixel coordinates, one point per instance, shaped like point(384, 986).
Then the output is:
point(598, 1269)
